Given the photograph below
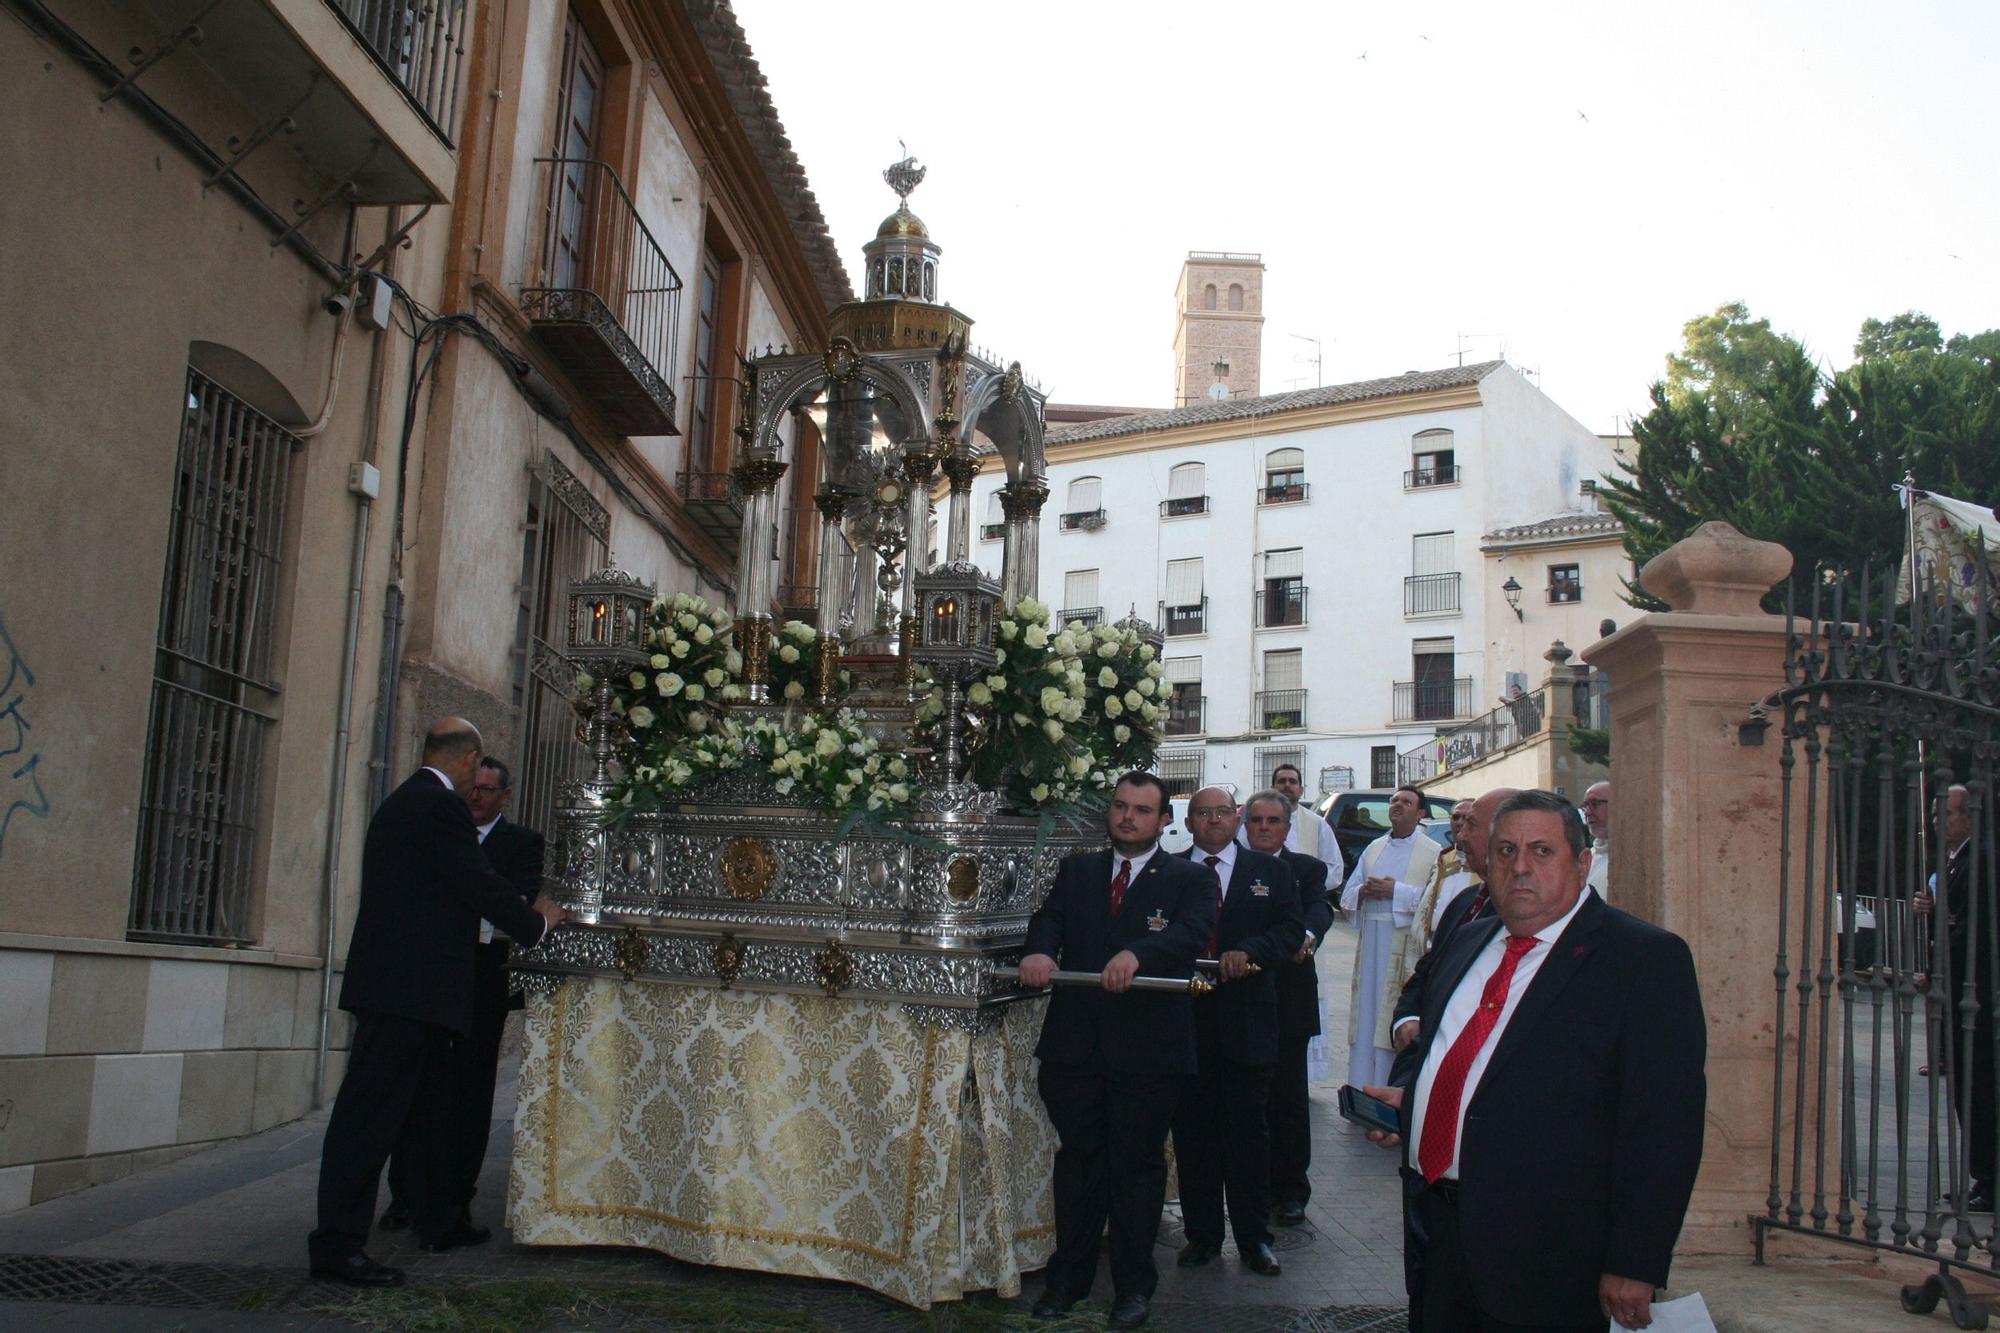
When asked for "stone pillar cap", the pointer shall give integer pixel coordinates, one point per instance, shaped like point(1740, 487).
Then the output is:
point(1716, 571)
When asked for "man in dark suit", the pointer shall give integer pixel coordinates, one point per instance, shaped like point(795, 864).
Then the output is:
point(1555, 1116)
point(516, 853)
point(1113, 1059)
point(1266, 818)
point(1222, 1144)
point(425, 886)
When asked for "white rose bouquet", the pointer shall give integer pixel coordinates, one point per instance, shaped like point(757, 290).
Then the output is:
point(677, 732)
point(830, 760)
point(1124, 700)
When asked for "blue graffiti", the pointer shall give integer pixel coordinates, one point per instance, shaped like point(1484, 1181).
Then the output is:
point(20, 771)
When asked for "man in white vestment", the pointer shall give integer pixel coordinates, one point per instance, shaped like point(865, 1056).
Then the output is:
point(1381, 898)
point(1597, 814)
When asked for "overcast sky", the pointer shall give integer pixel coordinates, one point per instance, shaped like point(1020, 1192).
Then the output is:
point(1562, 183)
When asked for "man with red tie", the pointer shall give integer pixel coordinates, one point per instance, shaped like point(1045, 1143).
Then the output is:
point(1113, 1059)
point(1555, 1111)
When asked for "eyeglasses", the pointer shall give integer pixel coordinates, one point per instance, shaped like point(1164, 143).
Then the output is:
point(488, 790)
point(1220, 812)
point(1601, 800)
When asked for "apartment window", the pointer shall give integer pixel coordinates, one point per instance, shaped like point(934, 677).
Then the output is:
point(1085, 507)
point(995, 526)
point(1434, 691)
point(1184, 610)
point(1181, 771)
point(707, 338)
point(576, 147)
point(1433, 460)
point(213, 687)
point(1433, 585)
point(1208, 297)
point(1186, 708)
point(1281, 704)
point(1565, 583)
point(1282, 599)
point(1080, 598)
point(1381, 767)
point(1187, 491)
point(1284, 477)
point(1269, 757)
point(567, 536)
point(1235, 296)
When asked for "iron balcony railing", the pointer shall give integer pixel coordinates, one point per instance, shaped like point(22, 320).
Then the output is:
point(1088, 616)
point(1565, 592)
point(1187, 714)
point(420, 44)
point(1089, 520)
point(1415, 767)
point(1182, 505)
point(1432, 700)
point(1281, 710)
point(1417, 478)
point(992, 532)
point(1291, 493)
point(1278, 608)
point(1179, 621)
point(607, 303)
point(1514, 721)
point(1430, 594)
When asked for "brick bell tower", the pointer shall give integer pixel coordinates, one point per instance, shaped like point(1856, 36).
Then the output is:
point(1219, 318)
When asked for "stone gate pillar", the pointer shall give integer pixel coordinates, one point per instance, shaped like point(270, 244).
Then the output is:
point(1695, 833)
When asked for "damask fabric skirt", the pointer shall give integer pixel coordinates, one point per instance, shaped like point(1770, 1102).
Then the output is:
point(837, 1138)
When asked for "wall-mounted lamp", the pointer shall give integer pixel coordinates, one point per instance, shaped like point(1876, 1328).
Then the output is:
point(1512, 590)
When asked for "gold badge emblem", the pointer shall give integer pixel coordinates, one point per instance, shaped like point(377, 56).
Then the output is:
point(1157, 921)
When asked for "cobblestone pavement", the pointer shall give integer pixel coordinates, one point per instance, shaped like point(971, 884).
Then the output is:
point(217, 1240)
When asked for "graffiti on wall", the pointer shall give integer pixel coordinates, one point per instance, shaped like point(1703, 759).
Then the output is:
point(21, 791)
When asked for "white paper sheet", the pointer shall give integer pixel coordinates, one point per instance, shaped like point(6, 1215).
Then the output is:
point(1683, 1314)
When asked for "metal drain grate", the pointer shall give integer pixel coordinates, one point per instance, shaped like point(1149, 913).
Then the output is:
point(41, 1277)
point(1355, 1319)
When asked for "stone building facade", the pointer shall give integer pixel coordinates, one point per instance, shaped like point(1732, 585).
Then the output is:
point(1218, 326)
point(350, 343)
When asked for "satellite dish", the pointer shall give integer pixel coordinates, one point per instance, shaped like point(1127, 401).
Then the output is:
point(1218, 391)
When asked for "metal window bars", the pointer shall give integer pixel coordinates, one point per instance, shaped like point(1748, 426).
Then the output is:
point(420, 44)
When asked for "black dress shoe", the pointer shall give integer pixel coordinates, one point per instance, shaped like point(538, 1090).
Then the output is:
point(1129, 1312)
point(357, 1270)
point(1194, 1254)
point(1289, 1215)
point(459, 1236)
point(397, 1216)
point(1259, 1259)
point(1054, 1303)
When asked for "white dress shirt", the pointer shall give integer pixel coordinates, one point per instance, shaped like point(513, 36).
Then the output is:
point(1225, 863)
point(1137, 863)
point(443, 777)
point(1458, 1011)
point(485, 926)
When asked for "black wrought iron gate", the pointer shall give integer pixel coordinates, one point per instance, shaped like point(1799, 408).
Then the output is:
point(1882, 1099)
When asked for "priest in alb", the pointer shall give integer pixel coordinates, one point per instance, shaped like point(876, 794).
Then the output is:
point(1381, 898)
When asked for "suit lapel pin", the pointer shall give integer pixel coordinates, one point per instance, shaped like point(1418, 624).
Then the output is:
point(1260, 889)
point(1578, 952)
point(1157, 921)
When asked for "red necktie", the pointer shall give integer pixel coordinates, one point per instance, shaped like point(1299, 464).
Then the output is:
point(1478, 904)
point(1119, 885)
point(1215, 931)
point(1441, 1117)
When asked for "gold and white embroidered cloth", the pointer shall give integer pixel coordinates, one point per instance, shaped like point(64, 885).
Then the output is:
point(783, 1133)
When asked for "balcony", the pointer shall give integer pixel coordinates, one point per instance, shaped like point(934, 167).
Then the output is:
point(713, 504)
point(1180, 621)
point(1083, 520)
point(1445, 474)
point(1187, 714)
point(1281, 608)
point(607, 304)
point(992, 532)
point(1087, 616)
point(419, 44)
point(1184, 505)
point(1281, 710)
point(1290, 493)
point(1432, 700)
point(1431, 595)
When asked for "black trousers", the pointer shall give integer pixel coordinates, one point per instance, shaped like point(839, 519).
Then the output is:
point(1111, 1164)
point(1290, 1122)
point(475, 1069)
point(1446, 1304)
point(1977, 1096)
point(396, 1093)
point(1222, 1149)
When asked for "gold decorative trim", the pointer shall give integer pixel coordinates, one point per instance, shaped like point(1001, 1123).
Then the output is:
point(749, 865)
point(630, 952)
point(728, 952)
point(834, 967)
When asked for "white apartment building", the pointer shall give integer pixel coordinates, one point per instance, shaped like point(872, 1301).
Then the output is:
point(1314, 558)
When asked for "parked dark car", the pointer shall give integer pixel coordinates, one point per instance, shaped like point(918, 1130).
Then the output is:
point(1360, 817)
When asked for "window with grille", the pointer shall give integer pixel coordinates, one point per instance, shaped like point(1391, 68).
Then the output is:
point(1381, 767)
point(213, 684)
point(1565, 583)
point(1432, 587)
point(1085, 507)
point(1281, 704)
point(1080, 598)
point(1183, 610)
point(1187, 491)
point(1181, 771)
point(1433, 459)
point(1270, 757)
point(995, 526)
point(1284, 476)
point(1185, 704)
point(1282, 600)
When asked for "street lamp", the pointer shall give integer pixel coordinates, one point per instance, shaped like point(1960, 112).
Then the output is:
point(1512, 591)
